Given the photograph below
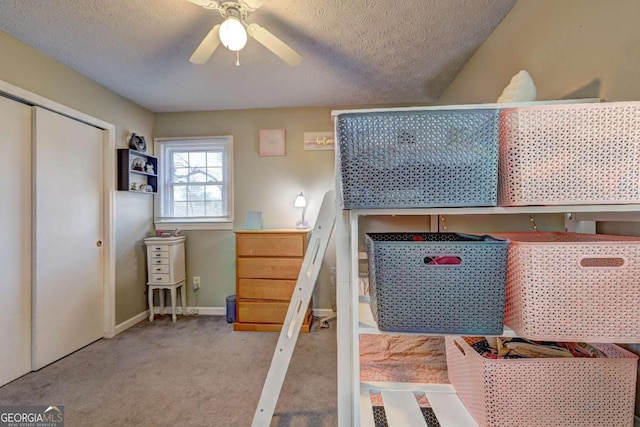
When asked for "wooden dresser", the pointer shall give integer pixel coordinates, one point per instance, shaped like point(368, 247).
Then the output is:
point(267, 266)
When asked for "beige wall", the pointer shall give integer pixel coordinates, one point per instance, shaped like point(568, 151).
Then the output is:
point(572, 49)
point(29, 69)
point(267, 184)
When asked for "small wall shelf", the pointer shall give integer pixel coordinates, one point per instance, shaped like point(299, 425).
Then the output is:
point(128, 176)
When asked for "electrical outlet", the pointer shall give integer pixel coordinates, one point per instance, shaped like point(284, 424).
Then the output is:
point(196, 283)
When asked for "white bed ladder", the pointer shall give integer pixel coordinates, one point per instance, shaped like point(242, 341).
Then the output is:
point(297, 310)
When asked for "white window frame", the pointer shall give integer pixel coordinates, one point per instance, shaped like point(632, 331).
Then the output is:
point(161, 145)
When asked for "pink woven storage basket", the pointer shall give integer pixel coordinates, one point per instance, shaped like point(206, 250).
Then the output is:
point(573, 287)
point(547, 391)
point(570, 154)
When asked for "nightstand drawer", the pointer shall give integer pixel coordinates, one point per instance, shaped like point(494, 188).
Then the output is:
point(159, 248)
point(155, 269)
point(156, 261)
point(288, 245)
point(265, 289)
point(269, 268)
point(262, 312)
point(159, 278)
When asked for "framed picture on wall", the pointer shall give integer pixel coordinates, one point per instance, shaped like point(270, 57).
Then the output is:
point(272, 142)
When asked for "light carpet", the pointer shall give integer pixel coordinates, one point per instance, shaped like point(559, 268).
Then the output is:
point(194, 372)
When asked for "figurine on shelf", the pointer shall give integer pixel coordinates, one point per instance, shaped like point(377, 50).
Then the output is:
point(137, 164)
point(148, 168)
point(134, 186)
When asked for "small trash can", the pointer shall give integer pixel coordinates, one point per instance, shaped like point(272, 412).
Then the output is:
point(231, 309)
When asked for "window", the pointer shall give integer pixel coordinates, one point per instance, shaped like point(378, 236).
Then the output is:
point(195, 184)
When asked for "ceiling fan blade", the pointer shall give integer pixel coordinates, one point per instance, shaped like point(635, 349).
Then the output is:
point(249, 5)
point(207, 4)
point(274, 44)
point(207, 46)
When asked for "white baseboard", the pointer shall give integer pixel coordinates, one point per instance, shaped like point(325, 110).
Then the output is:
point(131, 322)
point(208, 311)
point(202, 311)
point(213, 311)
point(323, 312)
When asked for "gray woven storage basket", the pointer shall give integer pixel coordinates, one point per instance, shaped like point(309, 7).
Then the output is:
point(410, 294)
point(413, 159)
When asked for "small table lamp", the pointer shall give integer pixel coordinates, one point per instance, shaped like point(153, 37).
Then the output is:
point(301, 202)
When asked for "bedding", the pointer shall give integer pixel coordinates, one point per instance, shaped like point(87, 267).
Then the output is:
point(403, 358)
point(521, 348)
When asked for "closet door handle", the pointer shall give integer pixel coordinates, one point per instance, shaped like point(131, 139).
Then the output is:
point(99, 243)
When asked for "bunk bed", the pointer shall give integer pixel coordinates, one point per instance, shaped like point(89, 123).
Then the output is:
point(404, 403)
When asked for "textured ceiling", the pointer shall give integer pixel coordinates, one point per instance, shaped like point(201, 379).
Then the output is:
point(356, 52)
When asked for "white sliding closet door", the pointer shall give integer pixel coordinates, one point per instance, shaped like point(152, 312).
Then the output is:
point(68, 230)
point(15, 240)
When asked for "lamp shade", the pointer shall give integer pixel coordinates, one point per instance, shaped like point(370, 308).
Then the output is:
point(233, 34)
point(300, 202)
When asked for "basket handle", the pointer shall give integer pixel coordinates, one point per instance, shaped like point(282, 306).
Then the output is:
point(442, 260)
point(602, 262)
point(459, 347)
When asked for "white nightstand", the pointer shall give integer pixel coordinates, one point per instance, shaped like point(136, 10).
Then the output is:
point(166, 268)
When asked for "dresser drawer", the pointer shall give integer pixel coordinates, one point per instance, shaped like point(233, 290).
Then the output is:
point(265, 289)
point(158, 254)
point(161, 261)
point(161, 268)
point(159, 278)
point(262, 312)
point(159, 248)
point(269, 268)
point(258, 244)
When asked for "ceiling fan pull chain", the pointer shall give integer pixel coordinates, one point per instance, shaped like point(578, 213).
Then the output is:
point(237, 58)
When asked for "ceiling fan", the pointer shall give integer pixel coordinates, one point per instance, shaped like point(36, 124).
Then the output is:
point(232, 33)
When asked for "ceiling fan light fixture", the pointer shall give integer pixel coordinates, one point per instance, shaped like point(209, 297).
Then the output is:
point(233, 35)
point(234, 32)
